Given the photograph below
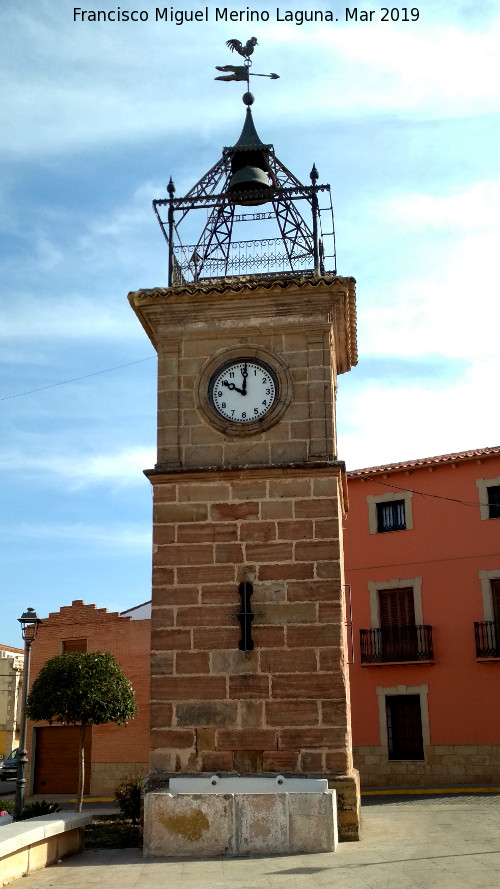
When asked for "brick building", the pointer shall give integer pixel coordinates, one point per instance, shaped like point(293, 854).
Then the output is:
point(422, 550)
point(111, 751)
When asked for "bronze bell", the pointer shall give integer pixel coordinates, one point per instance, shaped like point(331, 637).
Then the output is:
point(247, 180)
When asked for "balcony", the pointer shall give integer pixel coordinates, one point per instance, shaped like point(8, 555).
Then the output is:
point(487, 635)
point(392, 645)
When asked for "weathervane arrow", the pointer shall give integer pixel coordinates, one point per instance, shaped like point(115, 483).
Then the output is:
point(241, 72)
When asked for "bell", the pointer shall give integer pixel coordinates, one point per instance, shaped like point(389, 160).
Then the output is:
point(247, 180)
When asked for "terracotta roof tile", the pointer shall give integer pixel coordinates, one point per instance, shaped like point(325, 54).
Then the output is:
point(425, 461)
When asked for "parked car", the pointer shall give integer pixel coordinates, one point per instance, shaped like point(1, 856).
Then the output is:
point(8, 766)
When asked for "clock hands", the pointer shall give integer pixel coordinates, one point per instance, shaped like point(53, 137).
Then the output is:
point(233, 388)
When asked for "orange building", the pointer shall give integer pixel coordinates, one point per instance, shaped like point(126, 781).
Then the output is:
point(422, 561)
point(422, 555)
point(111, 751)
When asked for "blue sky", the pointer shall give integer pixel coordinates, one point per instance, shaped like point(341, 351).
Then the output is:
point(401, 118)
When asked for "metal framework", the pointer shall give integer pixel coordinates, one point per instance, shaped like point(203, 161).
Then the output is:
point(300, 238)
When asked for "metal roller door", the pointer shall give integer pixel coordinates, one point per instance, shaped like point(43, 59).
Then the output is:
point(56, 759)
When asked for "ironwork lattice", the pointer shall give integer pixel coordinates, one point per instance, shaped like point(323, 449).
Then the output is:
point(300, 235)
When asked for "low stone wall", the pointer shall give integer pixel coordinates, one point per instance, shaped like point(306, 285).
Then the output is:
point(106, 776)
point(443, 764)
point(29, 845)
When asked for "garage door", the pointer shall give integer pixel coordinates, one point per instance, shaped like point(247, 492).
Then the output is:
point(56, 759)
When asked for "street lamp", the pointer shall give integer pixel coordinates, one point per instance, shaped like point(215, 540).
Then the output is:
point(29, 627)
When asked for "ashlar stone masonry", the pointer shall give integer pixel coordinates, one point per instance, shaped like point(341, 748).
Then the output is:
point(266, 509)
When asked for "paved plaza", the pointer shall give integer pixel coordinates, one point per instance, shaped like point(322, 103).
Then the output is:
point(443, 842)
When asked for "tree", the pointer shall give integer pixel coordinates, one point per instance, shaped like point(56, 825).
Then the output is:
point(81, 688)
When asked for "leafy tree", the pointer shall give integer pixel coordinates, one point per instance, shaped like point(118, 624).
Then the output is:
point(81, 688)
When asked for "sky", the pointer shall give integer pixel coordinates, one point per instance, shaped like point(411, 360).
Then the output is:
point(401, 117)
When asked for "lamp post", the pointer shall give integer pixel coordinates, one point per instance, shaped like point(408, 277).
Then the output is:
point(29, 627)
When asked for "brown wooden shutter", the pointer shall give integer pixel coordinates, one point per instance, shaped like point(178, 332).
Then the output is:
point(495, 595)
point(397, 608)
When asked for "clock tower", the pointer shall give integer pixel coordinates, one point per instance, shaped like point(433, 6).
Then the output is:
point(249, 672)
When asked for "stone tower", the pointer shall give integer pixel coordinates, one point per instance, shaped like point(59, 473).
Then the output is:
point(249, 671)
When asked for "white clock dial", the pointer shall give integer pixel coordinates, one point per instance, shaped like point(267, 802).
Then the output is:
point(243, 390)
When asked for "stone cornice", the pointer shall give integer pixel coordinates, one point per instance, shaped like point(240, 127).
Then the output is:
point(167, 475)
point(279, 303)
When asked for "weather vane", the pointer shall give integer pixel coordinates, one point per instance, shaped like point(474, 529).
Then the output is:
point(242, 72)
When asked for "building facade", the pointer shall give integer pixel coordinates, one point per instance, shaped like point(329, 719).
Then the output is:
point(11, 677)
point(422, 549)
point(111, 751)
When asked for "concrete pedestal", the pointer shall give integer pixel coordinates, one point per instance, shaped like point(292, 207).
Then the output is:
point(208, 824)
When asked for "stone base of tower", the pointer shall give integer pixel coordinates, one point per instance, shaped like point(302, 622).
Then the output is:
point(207, 824)
point(348, 804)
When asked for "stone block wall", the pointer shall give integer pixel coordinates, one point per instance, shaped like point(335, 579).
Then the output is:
point(283, 707)
point(305, 431)
point(444, 765)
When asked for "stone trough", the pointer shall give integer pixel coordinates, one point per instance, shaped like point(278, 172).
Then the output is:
point(213, 815)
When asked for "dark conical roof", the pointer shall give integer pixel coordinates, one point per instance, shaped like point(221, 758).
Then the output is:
point(249, 138)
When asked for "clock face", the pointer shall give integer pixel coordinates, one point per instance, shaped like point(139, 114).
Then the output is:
point(243, 390)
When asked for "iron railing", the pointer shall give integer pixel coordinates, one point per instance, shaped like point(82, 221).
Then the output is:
point(265, 255)
point(383, 645)
point(487, 633)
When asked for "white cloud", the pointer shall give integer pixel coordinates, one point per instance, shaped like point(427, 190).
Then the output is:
point(82, 85)
point(448, 305)
point(76, 471)
point(74, 317)
point(440, 68)
point(116, 536)
point(473, 208)
point(384, 423)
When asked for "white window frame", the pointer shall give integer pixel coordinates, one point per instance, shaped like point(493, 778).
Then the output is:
point(485, 577)
point(383, 693)
point(482, 485)
point(396, 583)
point(373, 499)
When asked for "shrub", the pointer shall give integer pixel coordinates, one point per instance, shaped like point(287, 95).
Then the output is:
point(6, 805)
point(128, 796)
point(40, 807)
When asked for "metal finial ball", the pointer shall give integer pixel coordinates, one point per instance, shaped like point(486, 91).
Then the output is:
point(248, 98)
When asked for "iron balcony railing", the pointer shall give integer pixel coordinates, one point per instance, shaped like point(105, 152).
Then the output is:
point(383, 645)
point(487, 633)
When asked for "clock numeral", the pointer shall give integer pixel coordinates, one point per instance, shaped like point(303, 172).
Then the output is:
point(256, 410)
point(233, 412)
point(223, 404)
point(243, 416)
point(268, 391)
point(219, 394)
point(264, 402)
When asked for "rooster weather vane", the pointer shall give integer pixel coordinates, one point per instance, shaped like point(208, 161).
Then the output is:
point(242, 72)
